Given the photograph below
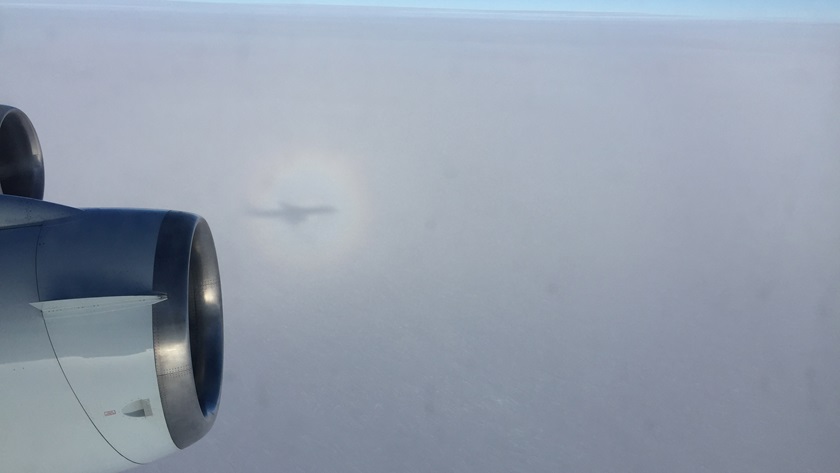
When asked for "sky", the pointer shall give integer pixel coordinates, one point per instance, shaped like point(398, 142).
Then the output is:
point(806, 10)
point(563, 245)
point(821, 10)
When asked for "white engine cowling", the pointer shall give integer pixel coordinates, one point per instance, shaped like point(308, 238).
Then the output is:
point(111, 331)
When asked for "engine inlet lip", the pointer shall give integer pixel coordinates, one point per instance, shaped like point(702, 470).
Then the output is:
point(205, 323)
point(188, 326)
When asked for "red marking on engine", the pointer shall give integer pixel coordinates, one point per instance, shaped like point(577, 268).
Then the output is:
point(110, 413)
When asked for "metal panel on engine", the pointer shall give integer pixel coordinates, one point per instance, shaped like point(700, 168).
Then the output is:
point(108, 359)
point(103, 252)
point(51, 430)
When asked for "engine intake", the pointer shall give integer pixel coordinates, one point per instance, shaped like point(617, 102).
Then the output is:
point(188, 335)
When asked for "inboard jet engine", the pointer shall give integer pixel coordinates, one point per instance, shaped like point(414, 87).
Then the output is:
point(111, 332)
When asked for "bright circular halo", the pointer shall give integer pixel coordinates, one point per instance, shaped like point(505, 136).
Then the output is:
point(309, 211)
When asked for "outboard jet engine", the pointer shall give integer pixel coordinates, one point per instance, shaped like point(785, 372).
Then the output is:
point(21, 163)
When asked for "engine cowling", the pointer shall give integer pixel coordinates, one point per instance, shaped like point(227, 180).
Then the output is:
point(111, 329)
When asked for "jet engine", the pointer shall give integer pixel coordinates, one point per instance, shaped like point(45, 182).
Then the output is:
point(21, 165)
point(111, 328)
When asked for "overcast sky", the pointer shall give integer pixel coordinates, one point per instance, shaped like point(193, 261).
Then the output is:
point(825, 10)
point(558, 245)
point(804, 10)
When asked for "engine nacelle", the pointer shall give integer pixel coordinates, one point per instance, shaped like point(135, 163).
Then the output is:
point(111, 329)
